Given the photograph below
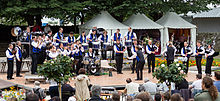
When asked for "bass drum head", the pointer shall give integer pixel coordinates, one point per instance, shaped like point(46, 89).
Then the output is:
point(93, 70)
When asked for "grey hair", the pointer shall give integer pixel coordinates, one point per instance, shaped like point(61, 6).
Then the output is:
point(96, 90)
point(141, 88)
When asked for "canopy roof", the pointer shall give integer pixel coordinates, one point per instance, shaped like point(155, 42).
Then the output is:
point(214, 13)
point(140, 21)
point(172, 20)
point(103, 20)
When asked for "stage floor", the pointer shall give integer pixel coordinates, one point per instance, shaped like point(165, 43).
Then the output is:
point(104, 80)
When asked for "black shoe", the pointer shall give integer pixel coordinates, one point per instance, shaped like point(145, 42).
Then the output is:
point(8, 78)
point(132, 72)
point(149, 71)
point(19, 76)
point(12, 78)
point(137, 79)
point(120, 73)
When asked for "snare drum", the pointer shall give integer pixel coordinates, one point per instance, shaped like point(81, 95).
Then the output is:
point(95, 45)
point(105, 45)
point(85, 46)
point(128, 43)
point(64, 43)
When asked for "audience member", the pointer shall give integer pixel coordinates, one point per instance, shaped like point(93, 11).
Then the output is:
point(96, 92)
point(115, 97)
point(166, 96)
point(32, 97)
point(157, 97)
point(182, 85)
point(141, 89)
point(197, 85)
point(53, 89)
point(67, 91)
point(209, 93)
point(81, 85)
point(131, 88)
point(150, 87)
point(38, 90)
point(55, 98)
point(144, 96)
point(217, 80)
point(176, 97)
point(11, 99)
point(137, 100)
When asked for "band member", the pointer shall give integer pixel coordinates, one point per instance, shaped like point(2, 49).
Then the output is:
point(53, 53)
point(90, 54)
point(48, 37)
point(18, 58)
point(169, 52)
point(60, 49)
point(119, 50)
point(186, 51)
point(92, 38)
point(71, 38)
point(82, 38)
point(140, 63)
point(78, 56)
point(130, 36)
point(134, 53)
point(10, 60)
point(42, 51)
point(114, 37)
point(209, 59)
point(59, 36)
point(151, 49)
point(35, 52)
point(103, 39)
point(198, 55)
point(66, 51)
point(28, 34)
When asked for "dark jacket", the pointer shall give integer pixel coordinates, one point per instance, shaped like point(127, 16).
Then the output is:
point(96, 98)
point(182, 85)
point(170, 53)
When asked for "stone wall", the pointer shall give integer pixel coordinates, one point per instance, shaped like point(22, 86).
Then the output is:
point(210, 36)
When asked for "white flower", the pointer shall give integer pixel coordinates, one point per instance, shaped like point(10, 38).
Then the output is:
point(72, 58)
point(175, 60)
point(64, 54)
point(181, 71)
point(45, 62)
point(52, 61)
point(179, 68)
point(178, 65)
point(162, 65)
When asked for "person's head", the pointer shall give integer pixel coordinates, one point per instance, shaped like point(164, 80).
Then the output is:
point(117, 41)
point(94, 27)
point(176, 97)
point(93, 32)
point(12, 99)
point(71, 33)
point(157, 97)
point(141, 88)
point(61, 45)
point(61, 30)
point(166, 96)
point(198, 76)
point(90, 50)
point(55, 98)
point(135, 41)
point(128, 80)
point(217, 75)
point(209, 46)
point(150, 42)
point(32, 97)
point(10, 46)
point(137, 48)
point(36, 83)
point(50, 32)
point(82, 71)
point(83, 33)
point(77, 42)
point(18, 43)
point(105, 32)
point(129, 29)
point(144, 96)
point(115, 97)
point(118, 30)
point(207, 84)
point(28, 29)
point(198, 43)
point(146, 80)
point(137, 100)
point(34, 38)
point(185, 44)
point(47, 25)
point(96, 90)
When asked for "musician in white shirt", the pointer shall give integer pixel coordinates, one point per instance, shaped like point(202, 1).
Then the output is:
point(82, 38)
point(37, 44)
point(104, 41)
point(151, 49)
point(186, 52)
point(18, 58)
point(10, 60)
point(90, 54)
point(130, 36)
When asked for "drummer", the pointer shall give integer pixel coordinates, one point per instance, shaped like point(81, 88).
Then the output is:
point(116, 36)
point(130, 36)
point(60, 49)
point(90, 54)
point(82, 37)
point(59, 35)
point(92, 37)
point(71, 38)
point(104, 40)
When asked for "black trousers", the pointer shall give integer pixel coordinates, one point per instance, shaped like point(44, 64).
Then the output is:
point(187, 65)
point(151, 61)
point(78, 64)
point(34, 63)
point(129, 51)
point(133, 65)
point(140, 67)
point(198, 64)
point(169, 62)
point(104, 54)
point(18, 67)
point(119, 63)
point(10, 68)
point(209, 61)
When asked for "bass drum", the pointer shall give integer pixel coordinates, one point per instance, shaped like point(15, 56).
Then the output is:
point(93, 69)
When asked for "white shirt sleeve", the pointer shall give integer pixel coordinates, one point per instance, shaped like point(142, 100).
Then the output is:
point(135, 36)
point(182, 52)
point(8, 55)
point(17, 54)
point(203, 50)
point(112, 37)
point(88, 36)
point(55, 36)
point(86, 55)
point(34, 44)
point(148, 51)
point(115, 48)
point(190, 50)
point(100, 38)
point(211, 53)
point(78, 37)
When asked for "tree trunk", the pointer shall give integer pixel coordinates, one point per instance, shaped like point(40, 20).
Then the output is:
point(38, 20)
point(60, 92)
point(75, 23)
point(29, 19)
point(169, 89)
point(82, 18)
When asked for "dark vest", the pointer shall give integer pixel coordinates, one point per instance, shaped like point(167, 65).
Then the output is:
point(170, 53)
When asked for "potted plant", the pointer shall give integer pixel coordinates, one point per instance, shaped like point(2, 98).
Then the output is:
point(58, 69)
point(174, 73)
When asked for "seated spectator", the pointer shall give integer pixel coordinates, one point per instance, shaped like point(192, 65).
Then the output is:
point(197, 85)
point(144, 96)
point(137, 100)
point(176, 97)
point(115, 97)
point(141, 89)
point(157, 97)
point(11, 99)
point(55, 98)
point(67, 91)
point(166, 96)
point(131, 88)
point(53, 89)
point(38, 90)
point(81, 86)
point(217, 80)
point(150, 87)
point(163, 87)
point(32, 97)
point(209, 93)
point(96, 92)
point(182, 85)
